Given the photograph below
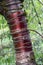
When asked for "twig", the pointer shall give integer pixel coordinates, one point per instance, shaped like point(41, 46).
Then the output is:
point(36, 32)
point(36, 12)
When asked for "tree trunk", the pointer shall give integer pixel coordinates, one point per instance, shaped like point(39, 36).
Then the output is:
point(20, 34)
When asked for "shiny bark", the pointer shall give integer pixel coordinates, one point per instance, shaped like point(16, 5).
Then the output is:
point(20, 34)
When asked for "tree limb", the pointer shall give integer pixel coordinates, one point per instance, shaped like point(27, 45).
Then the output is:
point(36, 32)
point(36, 12)
point(40, 2)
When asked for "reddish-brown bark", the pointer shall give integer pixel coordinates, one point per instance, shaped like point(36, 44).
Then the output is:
point(20, 34)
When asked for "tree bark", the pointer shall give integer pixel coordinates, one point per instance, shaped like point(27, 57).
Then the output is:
point(20, 34)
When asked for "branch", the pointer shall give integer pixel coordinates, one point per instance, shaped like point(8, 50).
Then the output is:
point(40, 2)
point(36, 32)
point(36, 12)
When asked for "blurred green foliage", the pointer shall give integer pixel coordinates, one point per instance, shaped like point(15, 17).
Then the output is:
point(34, 10)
